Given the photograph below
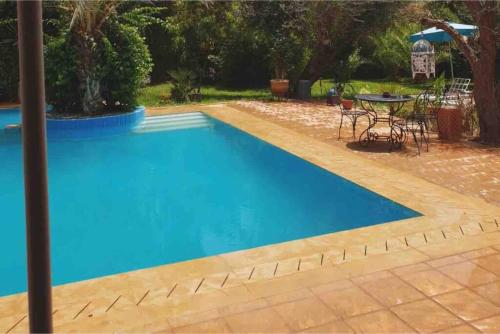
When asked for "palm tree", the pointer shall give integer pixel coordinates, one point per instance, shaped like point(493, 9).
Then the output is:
point(87, 20)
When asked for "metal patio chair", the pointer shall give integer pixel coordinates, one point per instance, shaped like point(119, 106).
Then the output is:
point(417, 122)
point(352, 114)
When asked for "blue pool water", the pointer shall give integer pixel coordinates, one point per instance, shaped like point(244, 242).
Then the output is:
point(140, 200)
point(9, 117)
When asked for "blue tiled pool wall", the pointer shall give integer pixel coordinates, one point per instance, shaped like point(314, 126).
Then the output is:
point(94, 126)
point(78, 128)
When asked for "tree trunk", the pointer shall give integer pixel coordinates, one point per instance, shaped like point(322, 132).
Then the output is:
point(482, 59)
point(87, 75)
point(487, 104)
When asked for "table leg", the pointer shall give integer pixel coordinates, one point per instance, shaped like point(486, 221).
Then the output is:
point(367, 136)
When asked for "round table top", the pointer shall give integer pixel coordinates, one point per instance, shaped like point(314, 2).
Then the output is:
point(381, 98)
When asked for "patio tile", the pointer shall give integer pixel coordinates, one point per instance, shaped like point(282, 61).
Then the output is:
point(468, 274)
point(259, 321)
point(243, 307)
point(378, 322)
point(289, 296)
point(211, 326)
point(463, 329)
point(489, 291)
point(349, 302)
point(431, 282)
point(305, 313)
point(490, 325)
point(412, 268)
point(478, 253)
point(467, 305)
point(191, 318)
point(490, 263)
point(360, 280)
point(392, 291)
point(426, 316)
point(338, 326)
point(445, 261)
point(337, 285)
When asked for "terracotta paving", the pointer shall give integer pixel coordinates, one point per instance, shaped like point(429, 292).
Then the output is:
point(439, 272)
point(391, 301)
point(466, 167)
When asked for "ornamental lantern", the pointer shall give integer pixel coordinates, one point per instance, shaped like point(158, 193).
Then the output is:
point(423, 59)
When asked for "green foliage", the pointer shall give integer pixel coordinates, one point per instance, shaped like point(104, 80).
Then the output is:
point(343, 71)
point(159, 95)
point(127, 65)
point(9, 76)
point(393, 49)
point(284, 27)
point(121, 64)
point(154, 23)
point(438, 89)
point(61, 81)
point(183, 81)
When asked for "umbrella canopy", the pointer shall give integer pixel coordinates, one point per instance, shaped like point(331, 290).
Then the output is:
point(439, 36)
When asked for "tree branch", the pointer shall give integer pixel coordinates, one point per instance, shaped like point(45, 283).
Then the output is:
point(467, 50)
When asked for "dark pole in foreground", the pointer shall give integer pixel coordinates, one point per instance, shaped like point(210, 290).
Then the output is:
point(29, 15)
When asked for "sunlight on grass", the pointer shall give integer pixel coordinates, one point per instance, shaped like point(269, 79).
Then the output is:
point(159, 95)
point(320, 89)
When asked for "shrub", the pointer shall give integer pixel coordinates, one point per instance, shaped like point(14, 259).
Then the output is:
point(61, 81)
point(9, 77)
point(127, 65)
point(121, 64)
point(393, 49)
point(183, 84)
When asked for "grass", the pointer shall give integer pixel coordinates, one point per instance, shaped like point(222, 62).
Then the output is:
point(159, 95)
point(370, 86)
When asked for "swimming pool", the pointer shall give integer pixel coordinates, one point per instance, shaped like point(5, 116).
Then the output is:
point(9, 116)
point(139, 200)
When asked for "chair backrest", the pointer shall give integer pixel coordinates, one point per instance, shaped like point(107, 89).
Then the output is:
point(459, 85)
point(422, 102)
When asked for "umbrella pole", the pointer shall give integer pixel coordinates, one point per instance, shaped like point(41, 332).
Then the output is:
point(29, 16)
point(451, 60)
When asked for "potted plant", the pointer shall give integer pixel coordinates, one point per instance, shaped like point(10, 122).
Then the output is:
point(279, 84)
point(347, 94)
point(342, 74)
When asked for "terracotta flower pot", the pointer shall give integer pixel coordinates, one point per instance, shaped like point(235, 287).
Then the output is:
point(347, 104)
point(279, 87)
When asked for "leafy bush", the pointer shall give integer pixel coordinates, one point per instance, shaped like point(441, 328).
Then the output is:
point(127, 65)
point(183, 81)
point(61, 81)
point(393, 49)
point(121, 65)
point(244, 60)
point(9, 77)
point(342, 74)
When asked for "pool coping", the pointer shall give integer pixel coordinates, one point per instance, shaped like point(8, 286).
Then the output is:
point(457, 221)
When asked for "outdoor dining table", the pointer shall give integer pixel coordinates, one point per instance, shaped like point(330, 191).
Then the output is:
point(397, 135)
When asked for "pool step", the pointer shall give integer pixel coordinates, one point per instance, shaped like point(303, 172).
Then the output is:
point(173, 122)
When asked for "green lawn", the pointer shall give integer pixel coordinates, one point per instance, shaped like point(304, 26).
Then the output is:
point(373, 86)
point(158, 95)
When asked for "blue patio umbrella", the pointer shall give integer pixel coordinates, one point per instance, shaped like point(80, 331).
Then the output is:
point(440, 36)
